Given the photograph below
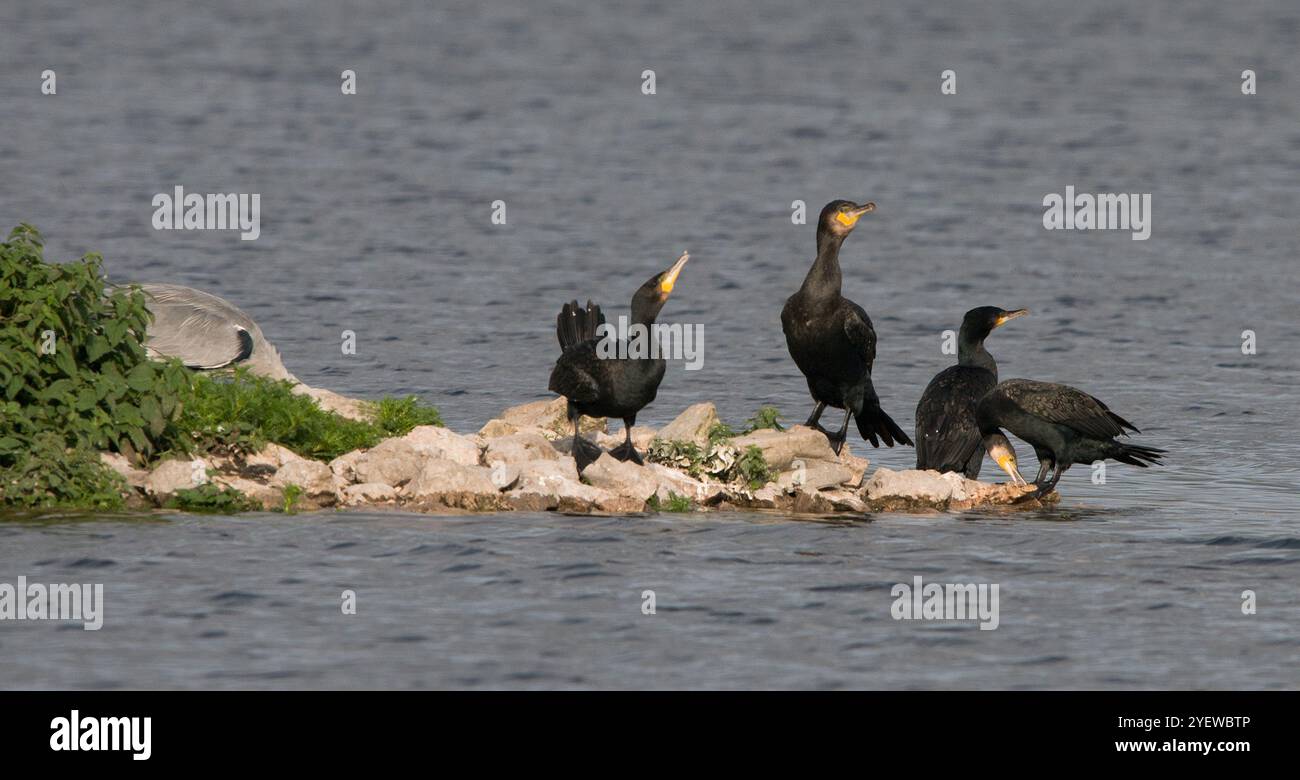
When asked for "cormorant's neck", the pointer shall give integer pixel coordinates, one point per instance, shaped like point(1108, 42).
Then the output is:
point(824, 277)
point(971, 352)
point(644, 312)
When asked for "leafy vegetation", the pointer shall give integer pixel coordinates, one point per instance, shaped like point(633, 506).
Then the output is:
point(752, 469)
point(675, 503)
point(208, 497)
point(765, 417)
point(241, 412)
point(720, 458)
point(75, 380)
point(291, 495)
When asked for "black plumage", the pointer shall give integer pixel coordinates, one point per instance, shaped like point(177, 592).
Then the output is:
point(832, 340)
point(947, 435)
point(595, 381)
point(1063, 424)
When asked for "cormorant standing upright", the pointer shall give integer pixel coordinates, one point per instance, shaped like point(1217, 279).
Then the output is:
point(599, 383)
point(1064, 425)
point(945, 416)
point(831, 338)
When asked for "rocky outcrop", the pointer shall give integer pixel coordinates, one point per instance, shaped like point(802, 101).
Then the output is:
point(172, 475)
point(692, 425)
point(521, 462)
point(912, 490)
point(549, 417)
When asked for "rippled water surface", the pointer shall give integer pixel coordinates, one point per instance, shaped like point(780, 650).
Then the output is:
point(375, 218)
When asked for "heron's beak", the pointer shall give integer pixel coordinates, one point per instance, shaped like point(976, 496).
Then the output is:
point(850, 218)
point(1010, 315)
point(669, 277)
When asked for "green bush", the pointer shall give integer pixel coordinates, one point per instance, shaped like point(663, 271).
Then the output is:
point(765, 417)
point(74, 378)
point(241, 412)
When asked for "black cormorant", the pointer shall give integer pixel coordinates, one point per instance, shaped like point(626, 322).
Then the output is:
point(613, 380)
point(831, 338)
point(946, 429)
point(1064, 425)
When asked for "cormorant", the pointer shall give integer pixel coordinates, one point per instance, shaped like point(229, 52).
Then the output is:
point(945, 416)
point(831, 338)
point(1064, 425)
point(599, 385)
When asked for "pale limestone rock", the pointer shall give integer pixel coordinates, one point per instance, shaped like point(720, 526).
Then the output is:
point(172, 475)
point(272, 455)
point(368, 493)
point(314, 478)
point(641, 437)
point(621, 478)
point(782, 448)
point(269, 497)
point(912, 489)
point(519, 448)
point(330, 401)
point(436, 442)
point(545, 477)
point(858, 466)
point(551, 416)
point(446, 483)
point(692, 425)
point(117, 462)
point(393, 462)
point(671, 481)
point(814, 475)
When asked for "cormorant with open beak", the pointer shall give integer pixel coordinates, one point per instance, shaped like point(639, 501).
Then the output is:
point(831, 338)
point(595, 381)
point(945, 416)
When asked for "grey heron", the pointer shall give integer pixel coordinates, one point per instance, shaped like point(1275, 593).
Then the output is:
point(209, 333)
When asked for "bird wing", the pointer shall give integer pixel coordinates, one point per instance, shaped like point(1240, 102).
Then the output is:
point(858, 330)
point(202, 330)
point(579, 373)
point(1068, 406)
point(947, 432)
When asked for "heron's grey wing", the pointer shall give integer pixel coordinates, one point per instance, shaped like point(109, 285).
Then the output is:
point(202, 330)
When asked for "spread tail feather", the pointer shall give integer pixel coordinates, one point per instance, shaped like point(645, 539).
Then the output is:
point(873, 423)
point(1136, 455)
point(575, 325)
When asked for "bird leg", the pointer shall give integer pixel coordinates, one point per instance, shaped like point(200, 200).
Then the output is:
point(626, 451)
point(837, 439)
point(1043, 490)
point(584, 452)
point(1043, 463)
point(815, 416)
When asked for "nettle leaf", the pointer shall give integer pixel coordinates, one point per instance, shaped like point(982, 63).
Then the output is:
point(96, 347)
point(140, 377)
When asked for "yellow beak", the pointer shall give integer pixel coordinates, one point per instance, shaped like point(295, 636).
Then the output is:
point(669, 278)
point(1011, 315)
point(850, 218)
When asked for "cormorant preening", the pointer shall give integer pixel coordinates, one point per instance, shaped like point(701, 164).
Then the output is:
point(1064, 425)
point(946, 430)
point(831, 338)
point(600, 385)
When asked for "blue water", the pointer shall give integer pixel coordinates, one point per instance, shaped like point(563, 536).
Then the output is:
point(376, 218)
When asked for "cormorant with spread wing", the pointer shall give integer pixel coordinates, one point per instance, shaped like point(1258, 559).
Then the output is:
point(1064, 425)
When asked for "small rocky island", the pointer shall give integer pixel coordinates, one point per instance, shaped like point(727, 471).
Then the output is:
point(520, 461)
